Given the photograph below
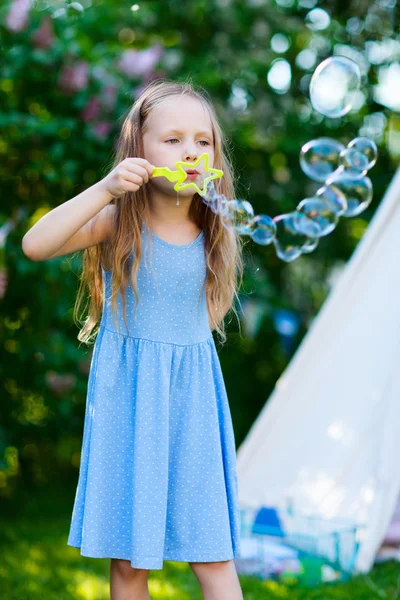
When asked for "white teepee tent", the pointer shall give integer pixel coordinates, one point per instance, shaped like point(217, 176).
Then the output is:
point(329, 435)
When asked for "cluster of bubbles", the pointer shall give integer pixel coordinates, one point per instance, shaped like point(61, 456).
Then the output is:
point(346, 189)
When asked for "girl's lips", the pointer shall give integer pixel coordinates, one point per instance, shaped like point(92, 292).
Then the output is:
point(191, 175)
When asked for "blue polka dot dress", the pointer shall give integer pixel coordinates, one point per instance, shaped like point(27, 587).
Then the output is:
point(157, 478)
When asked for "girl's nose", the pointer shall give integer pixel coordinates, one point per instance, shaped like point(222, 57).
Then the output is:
point(191, 156)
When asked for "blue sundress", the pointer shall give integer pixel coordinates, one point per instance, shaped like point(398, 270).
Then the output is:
point(157, 478)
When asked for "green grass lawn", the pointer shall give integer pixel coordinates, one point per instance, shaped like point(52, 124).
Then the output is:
point(37, 564)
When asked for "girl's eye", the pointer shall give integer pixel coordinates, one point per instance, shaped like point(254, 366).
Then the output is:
point(201, 141)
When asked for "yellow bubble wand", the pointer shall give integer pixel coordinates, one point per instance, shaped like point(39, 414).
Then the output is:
point(180, 175)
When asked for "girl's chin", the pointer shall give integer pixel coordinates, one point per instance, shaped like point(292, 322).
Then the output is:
point(182, 194)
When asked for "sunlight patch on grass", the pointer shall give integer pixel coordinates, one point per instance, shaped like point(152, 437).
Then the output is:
point(179, 566)
point(279, 590)
point(160, 589)
point(87, 586)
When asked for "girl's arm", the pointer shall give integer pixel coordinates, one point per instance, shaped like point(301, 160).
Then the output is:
point(76, 224)
point(86, 219)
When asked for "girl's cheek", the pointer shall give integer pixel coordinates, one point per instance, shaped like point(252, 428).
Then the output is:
point(158, 157)
point(166, 151)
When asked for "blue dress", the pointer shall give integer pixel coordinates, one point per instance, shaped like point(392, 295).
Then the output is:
point(157, 478)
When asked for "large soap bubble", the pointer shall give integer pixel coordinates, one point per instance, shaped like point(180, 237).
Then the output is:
point(334, 86)
point(319, 158)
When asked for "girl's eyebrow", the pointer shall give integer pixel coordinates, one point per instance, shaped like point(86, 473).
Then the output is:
point(202, 132)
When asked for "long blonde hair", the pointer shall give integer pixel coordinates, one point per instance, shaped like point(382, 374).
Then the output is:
point(223, 247)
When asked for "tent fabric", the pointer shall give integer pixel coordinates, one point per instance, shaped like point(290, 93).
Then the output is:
point(328, 438)
point(392, 536)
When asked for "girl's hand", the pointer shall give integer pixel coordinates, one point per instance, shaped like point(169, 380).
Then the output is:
point(128, 176)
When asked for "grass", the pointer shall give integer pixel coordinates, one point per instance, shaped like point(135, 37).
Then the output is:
point(37, 564)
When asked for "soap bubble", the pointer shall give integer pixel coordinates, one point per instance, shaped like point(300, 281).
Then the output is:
point(334, 86)
point(360, 155)
point(334, 198)
point(319, 158)
point(263, 229)
point(240, 214)
point(314, 218)
point(310, 246)
point(357, 190)
point(353, 159)
point(367, 147)
point(288, 242)
point(211, 192)
point(219, 204)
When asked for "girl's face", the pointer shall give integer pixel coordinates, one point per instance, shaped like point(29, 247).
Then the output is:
point(178, 129)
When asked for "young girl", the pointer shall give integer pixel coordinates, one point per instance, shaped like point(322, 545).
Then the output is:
point(157, 477)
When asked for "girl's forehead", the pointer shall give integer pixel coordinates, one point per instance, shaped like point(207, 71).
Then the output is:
point(179, 112)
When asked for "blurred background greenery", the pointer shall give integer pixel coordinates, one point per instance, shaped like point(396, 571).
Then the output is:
point(68, 75)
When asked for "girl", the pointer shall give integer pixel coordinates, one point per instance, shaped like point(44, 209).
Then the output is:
point(157, 478)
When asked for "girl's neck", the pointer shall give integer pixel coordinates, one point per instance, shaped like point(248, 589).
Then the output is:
point(171, 222)
point(163, 209)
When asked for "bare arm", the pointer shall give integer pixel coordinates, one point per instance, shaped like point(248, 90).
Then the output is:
point(86, 219)
point(71, 226)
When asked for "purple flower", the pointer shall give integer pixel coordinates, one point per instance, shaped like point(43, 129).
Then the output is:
point(109, 96)
point(43, 37)
point(91, 110)
point(74, 77)
point(17, 17)
point(101, 129)
point(139, 63)
point(58, 383)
